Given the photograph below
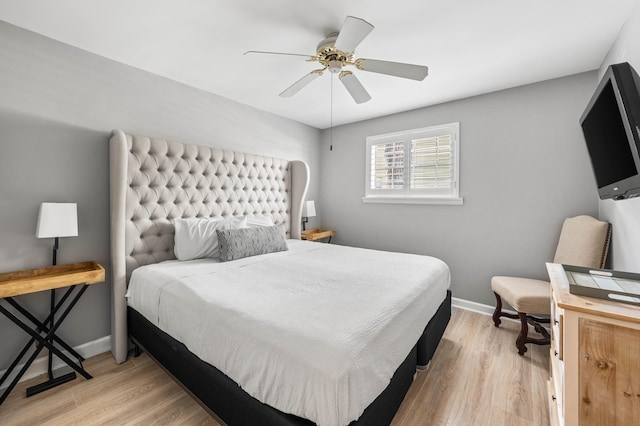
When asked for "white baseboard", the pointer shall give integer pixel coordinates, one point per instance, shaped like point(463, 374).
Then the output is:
point(480, 308)
point(39, 366)
point(468, 305)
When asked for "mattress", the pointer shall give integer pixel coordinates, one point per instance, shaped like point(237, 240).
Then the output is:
point(316, 331)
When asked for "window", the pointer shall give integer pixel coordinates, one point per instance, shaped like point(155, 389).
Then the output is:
point(414, 166)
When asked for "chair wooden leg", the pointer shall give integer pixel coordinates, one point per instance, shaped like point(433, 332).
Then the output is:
point(524, 331)
point(525, 320)
point(498, 311)
point(523, 337)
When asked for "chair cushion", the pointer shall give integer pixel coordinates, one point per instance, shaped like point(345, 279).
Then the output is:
point(524, 294)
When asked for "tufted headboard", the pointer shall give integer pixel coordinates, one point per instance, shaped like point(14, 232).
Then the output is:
point(153, 181)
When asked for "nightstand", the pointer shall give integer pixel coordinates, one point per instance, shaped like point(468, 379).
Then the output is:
point(317, 234)
point(75, 276)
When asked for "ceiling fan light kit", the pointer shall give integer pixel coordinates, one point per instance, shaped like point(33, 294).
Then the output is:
point(337, 51)
point(335, 66)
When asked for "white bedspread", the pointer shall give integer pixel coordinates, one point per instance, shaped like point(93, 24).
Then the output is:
point(316, 331)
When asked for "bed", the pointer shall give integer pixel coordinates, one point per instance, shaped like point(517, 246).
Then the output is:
point(264, 354)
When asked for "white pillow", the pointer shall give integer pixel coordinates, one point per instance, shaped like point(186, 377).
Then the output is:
point(255, 221)
point(196, 238)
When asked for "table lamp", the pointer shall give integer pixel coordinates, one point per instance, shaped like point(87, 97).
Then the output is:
point(308, 210)
point(57, 220)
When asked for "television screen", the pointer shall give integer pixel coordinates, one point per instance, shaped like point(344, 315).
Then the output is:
point(607, 140)
point(610, 127)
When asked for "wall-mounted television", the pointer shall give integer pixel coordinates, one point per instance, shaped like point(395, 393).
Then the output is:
point(611, 127)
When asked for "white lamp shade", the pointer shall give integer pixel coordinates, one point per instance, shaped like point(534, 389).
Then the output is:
point(309, 209)
point(57, 220)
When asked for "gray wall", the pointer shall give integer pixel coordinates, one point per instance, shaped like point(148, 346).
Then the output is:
point(624, 215)
point(58, 105)
point(524, 168)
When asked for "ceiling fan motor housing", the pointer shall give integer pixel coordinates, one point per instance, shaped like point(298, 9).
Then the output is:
point(329, 56)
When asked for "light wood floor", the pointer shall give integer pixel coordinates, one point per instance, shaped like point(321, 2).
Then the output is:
point(475, 378)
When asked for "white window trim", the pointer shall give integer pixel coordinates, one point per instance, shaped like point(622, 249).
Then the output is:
point(405, 196)
point(382, 199)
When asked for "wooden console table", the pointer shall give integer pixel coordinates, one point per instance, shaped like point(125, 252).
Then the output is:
point(43, 333)
point(317, 234)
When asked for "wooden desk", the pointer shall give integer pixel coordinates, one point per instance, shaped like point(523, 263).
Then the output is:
point(317, 234)
point(75, 276)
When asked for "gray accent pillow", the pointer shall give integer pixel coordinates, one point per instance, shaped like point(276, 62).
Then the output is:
point(245, 242)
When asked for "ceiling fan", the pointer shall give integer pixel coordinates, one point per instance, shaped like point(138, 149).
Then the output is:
point(337, 51)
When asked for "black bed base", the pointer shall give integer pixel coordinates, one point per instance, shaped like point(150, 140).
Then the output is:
point(234, 406)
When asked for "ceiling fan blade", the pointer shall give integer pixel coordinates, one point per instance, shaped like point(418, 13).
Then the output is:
point(355, 88)
point(396, 69)
point(353, 31)
point(300, 84)
point(277, 53)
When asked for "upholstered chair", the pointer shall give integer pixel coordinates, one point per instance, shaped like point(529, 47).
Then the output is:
point(584, 241)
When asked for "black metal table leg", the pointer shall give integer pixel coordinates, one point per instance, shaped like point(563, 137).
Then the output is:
point(42, 325)
point(51, 322)
point(41, 342)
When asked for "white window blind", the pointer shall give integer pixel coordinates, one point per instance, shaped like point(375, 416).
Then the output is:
point(387, 164)
point(431, 162)
point(419, 165)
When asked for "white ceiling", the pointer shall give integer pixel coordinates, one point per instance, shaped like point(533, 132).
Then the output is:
point(471, 47)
